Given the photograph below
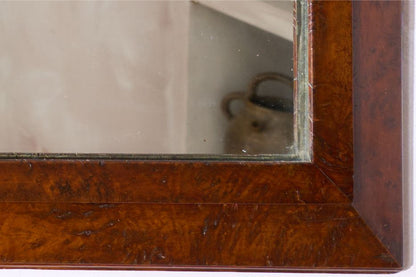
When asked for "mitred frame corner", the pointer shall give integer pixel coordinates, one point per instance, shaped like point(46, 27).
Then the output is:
point(342, 212)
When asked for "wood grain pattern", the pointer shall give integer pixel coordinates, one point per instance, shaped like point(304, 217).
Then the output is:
point(377, 86)
point(269, 237)
point(332, 91)
point(167, 182)
point(238, 215)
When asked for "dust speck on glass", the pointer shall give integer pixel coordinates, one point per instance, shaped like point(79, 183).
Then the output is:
point(223, 80)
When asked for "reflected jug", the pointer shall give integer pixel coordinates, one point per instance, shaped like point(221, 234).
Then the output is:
point(264, 125)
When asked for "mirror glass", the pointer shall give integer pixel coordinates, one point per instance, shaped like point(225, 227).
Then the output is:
point(154, 77)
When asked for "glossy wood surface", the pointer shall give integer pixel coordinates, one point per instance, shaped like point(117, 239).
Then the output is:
point(190, 235)
point(332, 91)
point(378, 125)
point(238, 215)
point(167, 182)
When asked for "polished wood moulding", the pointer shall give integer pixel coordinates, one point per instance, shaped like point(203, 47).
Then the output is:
point(244, 236)
point(341, 212)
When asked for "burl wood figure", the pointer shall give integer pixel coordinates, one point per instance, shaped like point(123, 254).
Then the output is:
point(341, 212)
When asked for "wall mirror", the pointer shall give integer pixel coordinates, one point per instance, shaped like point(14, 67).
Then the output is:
point(201, 135)
point(155, 77)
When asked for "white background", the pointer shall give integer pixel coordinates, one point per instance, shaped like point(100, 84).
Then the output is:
point(409, 122)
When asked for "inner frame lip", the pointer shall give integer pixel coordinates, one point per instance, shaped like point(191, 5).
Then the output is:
point(279, 158)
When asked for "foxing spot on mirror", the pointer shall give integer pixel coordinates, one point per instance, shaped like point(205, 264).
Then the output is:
point(154, 77)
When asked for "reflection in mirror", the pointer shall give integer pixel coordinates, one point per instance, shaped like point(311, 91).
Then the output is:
point(149, 77)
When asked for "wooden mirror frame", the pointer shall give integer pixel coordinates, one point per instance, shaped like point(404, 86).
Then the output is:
point(342, 212)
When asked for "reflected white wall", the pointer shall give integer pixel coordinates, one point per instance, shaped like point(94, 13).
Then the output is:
point(93, 76)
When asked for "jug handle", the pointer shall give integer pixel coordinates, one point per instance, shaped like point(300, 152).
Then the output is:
point(256, 81)
point(226, 101)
